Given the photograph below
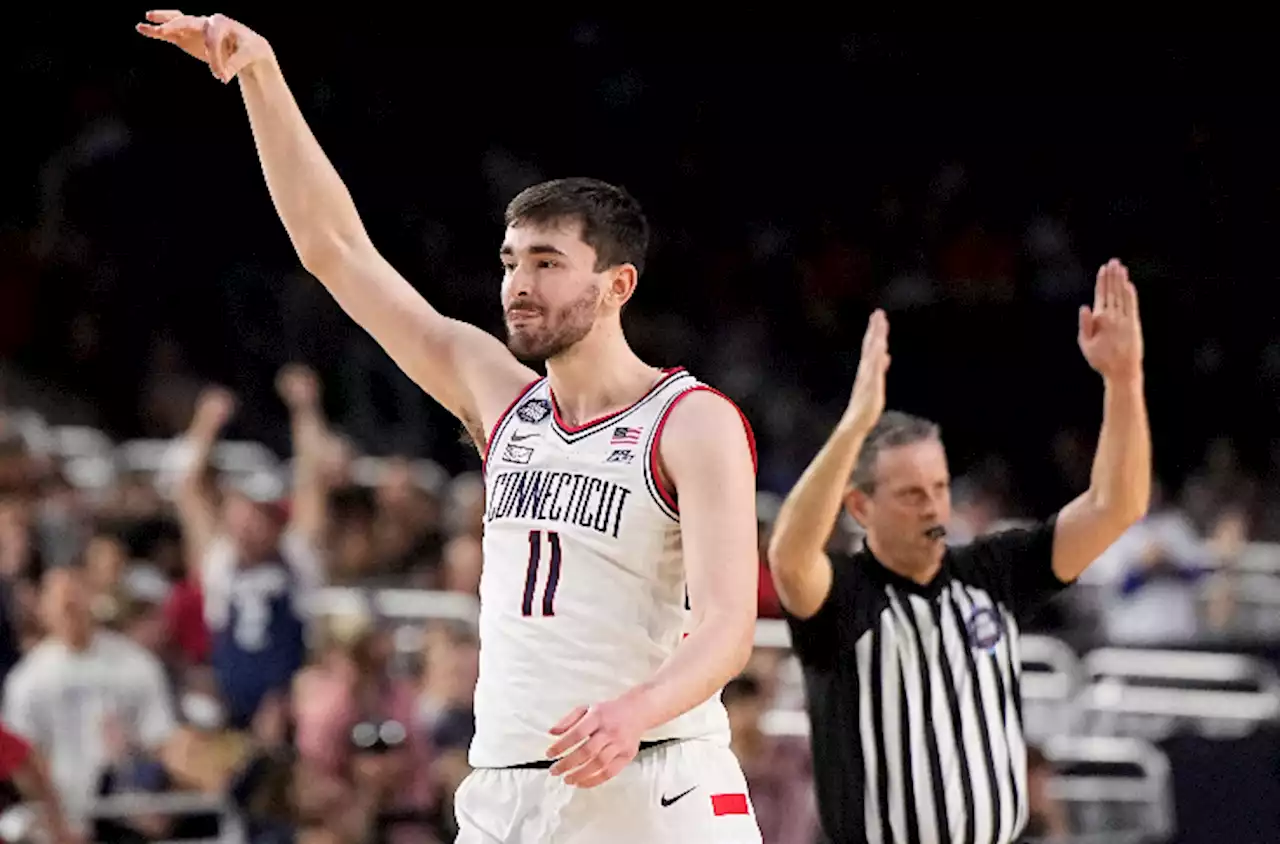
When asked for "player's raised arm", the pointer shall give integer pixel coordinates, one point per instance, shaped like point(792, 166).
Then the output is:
point(1119, 493)
point(797, 547)
point(463, 367)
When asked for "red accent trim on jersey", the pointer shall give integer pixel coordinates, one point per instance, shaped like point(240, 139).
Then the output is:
point(493, 432)
point(729, 804)
point(574, 429)
point(654, 465)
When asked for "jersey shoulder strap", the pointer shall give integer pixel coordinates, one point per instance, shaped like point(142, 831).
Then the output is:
point(659, 488)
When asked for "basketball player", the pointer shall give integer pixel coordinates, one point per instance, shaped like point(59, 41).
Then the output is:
point(620, 574)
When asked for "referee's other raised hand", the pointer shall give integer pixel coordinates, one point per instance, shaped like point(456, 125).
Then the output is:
point(867, 401)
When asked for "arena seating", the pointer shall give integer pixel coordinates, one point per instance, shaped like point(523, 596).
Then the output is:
point(1098, 716)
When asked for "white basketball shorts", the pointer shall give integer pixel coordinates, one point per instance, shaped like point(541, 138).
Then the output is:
point(684, 792)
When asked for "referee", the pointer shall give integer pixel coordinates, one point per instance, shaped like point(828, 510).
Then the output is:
point(909, 647)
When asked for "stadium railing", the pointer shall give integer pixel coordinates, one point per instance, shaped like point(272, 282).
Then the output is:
point(1114, 789)
point(1051, 680)
point(1254, 594)
point(18, 823)
point(1150, 693)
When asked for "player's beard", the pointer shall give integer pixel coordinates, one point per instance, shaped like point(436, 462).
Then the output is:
point(557, 331)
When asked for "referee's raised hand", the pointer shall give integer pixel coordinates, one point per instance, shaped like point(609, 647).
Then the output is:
point(1110, 333)
point(867, 401)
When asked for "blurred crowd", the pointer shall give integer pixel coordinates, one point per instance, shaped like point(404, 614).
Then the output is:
point(157, 632)
point(156, 636)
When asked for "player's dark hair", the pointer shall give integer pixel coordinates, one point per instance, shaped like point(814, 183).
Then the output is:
point(612, 222)
point(892, 430)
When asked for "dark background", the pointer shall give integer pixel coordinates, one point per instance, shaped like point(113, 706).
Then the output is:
point(794, 180)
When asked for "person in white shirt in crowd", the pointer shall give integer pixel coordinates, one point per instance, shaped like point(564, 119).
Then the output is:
point(1147, 585)
point(80, 689)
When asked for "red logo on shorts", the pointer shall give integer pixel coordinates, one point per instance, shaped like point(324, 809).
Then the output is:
point(729, 804)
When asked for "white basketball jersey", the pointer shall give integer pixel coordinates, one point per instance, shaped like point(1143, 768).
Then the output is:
point(582, 596)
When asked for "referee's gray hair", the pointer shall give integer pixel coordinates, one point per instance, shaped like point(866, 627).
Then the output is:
point(892, 430)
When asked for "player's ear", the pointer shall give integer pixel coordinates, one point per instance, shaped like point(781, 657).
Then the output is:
point(622, 285)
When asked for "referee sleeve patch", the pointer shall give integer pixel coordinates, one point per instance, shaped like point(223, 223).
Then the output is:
point(729, 804)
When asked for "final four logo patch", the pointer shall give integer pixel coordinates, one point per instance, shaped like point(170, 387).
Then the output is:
point(985, 629)
point(534, 411)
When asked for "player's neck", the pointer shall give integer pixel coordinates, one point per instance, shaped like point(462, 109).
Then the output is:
point(599, 375)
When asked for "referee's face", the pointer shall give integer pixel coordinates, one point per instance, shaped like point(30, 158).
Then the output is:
point(911, 498)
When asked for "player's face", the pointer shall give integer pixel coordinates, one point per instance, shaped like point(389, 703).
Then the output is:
point(911, 501)
point(550, 289)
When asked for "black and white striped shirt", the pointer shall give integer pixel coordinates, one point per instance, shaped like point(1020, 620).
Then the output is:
point(913, 694)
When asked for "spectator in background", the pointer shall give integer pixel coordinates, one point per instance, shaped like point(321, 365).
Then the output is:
point(408, 526)
point(351, 685)
point(977, 502)
point(353, 519)
point(1226, 542)
point(79, 684)
point(348, 706)
point(777, 769)
point(106, 556)
point(1047, 818)
point(139, 613)
point(445, 710)
point(1149, 580)
point(256, 568)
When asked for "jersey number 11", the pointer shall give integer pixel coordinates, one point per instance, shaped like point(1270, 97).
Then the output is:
point(531, 576)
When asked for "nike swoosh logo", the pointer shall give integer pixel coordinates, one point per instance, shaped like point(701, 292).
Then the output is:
point(515, 438)
point(667, 801)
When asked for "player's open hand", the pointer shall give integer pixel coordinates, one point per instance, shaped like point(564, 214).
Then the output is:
point(1111, 333)
point(606, 737)
point(227, 46)
point(867, 402)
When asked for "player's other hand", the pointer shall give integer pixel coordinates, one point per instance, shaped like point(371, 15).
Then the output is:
point(227, 46)
point(606, 737)
point(1110, 332)
point(867, 402)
